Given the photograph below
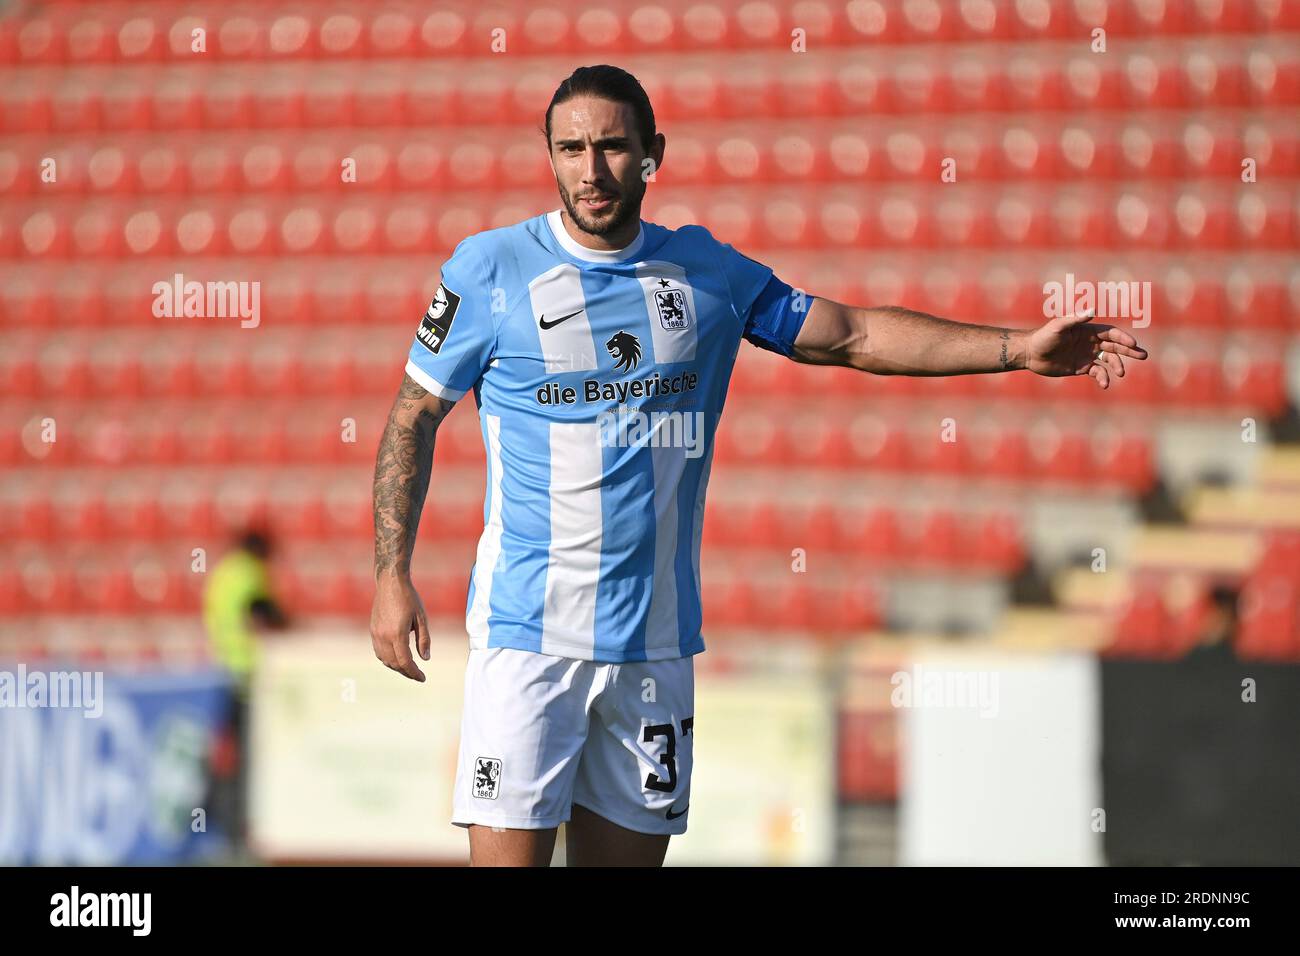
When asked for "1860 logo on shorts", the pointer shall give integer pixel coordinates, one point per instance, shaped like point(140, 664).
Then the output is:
point(487, 777)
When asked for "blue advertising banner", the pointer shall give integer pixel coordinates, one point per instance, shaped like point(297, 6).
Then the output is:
point(107, 767)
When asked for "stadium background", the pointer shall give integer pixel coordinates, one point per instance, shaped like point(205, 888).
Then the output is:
point(1119, 571)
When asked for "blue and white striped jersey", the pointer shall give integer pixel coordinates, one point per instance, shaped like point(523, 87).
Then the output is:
point(600, 378)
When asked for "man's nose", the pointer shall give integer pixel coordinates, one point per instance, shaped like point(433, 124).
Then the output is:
point(593, 164)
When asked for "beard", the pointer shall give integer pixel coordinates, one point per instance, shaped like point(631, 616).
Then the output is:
point(623, 209)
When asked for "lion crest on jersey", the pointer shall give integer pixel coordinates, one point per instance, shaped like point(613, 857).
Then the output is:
point(672, 309)
point(625, 350)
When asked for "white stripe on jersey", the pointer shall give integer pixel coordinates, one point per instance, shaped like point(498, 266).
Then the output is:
point(556, 295)
point(489, 544)
point(661, 628)
point(577, 528)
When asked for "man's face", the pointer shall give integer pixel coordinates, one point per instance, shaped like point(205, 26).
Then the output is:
point(598, 160)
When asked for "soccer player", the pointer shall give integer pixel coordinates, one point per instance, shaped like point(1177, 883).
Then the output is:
point(599, 347)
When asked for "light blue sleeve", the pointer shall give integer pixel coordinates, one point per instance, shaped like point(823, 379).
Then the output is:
point(457, 335)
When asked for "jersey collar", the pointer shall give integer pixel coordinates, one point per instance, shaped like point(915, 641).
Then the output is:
point(578, 251)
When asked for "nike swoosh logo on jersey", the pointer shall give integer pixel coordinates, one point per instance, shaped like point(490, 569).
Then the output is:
point(673, 816)
point(541, 320)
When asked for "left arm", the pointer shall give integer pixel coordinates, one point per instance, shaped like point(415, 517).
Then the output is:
point(889, 340)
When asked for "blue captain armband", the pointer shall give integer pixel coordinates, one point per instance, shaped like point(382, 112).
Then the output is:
point(776, 317)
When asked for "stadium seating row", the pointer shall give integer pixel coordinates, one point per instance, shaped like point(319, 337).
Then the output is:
point(85, 588)
point(75, 518)
point(1181, 148)
point(189, 97)
point(127, 33)
point(1255, 216)
point(1162, 618)
point(770, 434)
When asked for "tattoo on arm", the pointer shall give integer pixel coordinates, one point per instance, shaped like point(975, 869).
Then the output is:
point(402, 469)
point(1005, 336)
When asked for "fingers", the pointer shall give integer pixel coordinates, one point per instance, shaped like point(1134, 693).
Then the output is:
point(397, 614)
point(1100, 373)
point(395, 653)
point(1139, 353)
point(403, 662)
point(1114, 364)
point(1120, 342)
point(422, 633)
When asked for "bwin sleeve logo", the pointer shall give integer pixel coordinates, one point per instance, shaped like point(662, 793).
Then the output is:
point(437, 319)
point(625, 350)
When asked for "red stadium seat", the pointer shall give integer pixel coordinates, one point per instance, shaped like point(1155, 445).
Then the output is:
point(26, 110)
point(45, 235)
point(291, 36)
point(141, 39)
point(1089, 82)
point(176, 104)
point(227, 103)
point(1263, 221)
point(341, 36)
point(239, 37)
point(15, 172)
point(96, 234)
point(1146, 153)
point(917, 87)
point(250, 231)
point(1032, 85)
point(199, 232)
point(1038, 20)
point(1268, 627)
point(1188, 378)
point(160, 169)
point(110, 170)
point(74, 108)
point(40, 41)
point(90, 40)
point(213, 168)
point(1150, 84)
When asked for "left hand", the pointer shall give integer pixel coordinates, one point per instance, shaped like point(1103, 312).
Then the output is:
point(1071, 345)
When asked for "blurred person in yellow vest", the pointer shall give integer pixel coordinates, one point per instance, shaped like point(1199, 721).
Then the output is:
point(238, 606)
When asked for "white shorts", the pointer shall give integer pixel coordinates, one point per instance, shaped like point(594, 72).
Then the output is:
point(540, 733)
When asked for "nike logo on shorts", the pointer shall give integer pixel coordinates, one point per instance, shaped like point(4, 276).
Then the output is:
point(673, 816)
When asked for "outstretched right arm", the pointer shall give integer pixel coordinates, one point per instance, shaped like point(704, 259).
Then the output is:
point(402, 469)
